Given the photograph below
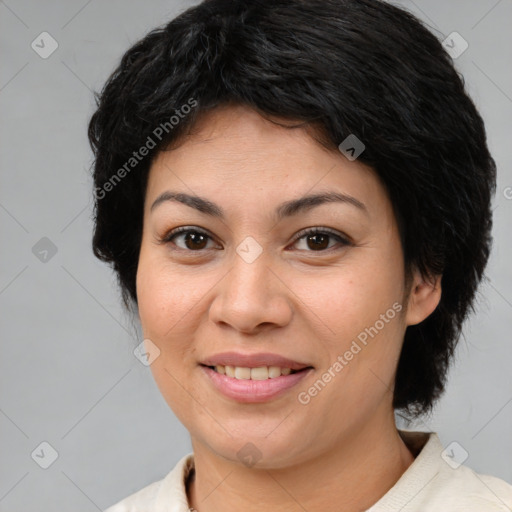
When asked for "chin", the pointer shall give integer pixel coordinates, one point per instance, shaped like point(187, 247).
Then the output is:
point(262, 446)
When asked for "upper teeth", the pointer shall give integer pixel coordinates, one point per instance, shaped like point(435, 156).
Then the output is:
point(261, 373)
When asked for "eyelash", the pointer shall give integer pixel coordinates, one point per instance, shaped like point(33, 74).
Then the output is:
point(344, 241)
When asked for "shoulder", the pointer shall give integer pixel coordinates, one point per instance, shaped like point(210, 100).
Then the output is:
point(435, 482)
point(463, 487)
point(158, 495)
point(139, 500)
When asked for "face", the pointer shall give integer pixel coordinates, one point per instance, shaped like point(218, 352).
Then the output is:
point(240, 275)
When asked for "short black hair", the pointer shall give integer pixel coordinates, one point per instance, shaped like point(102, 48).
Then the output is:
point(346, 67)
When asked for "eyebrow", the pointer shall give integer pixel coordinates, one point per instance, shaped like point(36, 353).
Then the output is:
point(286, 209)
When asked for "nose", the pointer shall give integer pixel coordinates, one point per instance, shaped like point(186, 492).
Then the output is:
point(251, 298)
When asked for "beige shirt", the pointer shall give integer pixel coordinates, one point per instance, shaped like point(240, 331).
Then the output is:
point(434, 482)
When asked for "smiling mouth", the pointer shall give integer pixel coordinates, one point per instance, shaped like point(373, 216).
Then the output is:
point(259, 373)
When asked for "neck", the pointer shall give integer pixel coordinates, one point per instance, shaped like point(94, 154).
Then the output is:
point(352, 476)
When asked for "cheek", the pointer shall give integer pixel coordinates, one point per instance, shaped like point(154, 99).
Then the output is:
point(166, 310)
point(362, 297)
point(164, 296)
point(172, 303)
point(365, 320)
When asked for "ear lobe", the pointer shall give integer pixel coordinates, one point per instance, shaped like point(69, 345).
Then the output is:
point(423, 299)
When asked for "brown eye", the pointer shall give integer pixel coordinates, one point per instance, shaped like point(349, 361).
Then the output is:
point(319, 240)
point(195, 240)
point(191, 239)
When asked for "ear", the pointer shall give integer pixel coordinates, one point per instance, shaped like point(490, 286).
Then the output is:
point(424, 297)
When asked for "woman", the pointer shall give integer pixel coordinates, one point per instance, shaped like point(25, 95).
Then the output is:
point(295, 196)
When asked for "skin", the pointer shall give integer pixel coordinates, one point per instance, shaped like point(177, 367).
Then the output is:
point(342, 449)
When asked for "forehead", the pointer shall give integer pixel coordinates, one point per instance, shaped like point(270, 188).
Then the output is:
point(234, 150)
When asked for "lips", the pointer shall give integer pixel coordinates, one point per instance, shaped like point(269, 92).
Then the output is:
point(258, 373)
point(253, 361)
point(255, 377)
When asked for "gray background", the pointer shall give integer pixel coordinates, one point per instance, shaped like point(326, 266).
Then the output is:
point(68, 375)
